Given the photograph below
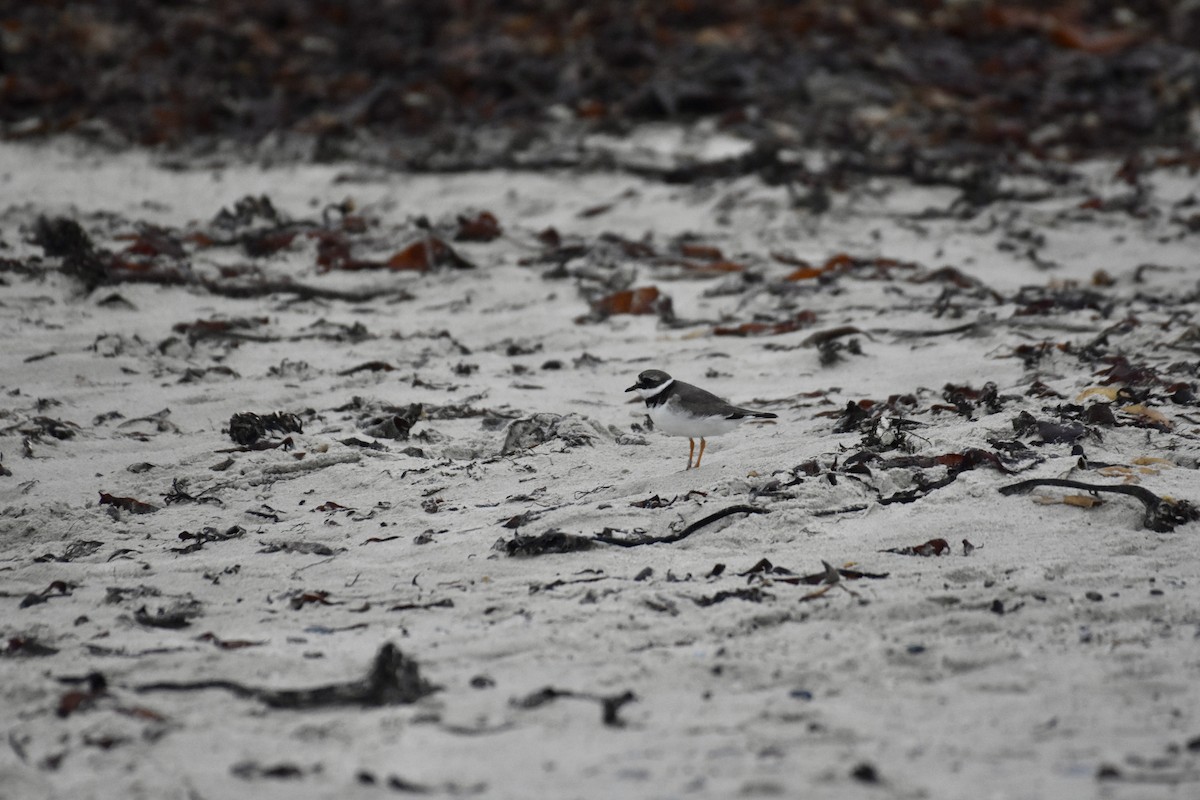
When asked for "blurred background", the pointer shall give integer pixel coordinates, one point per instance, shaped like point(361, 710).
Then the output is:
point(429, 82)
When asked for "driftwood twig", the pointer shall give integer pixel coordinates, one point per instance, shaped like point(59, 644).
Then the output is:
point(1162, 515)
point(683, 534)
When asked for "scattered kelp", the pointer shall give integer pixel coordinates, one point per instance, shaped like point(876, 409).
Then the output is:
point(1033, 80)
point(637, 541)
point(610, 705)
point(1162, 514)
point(549, 542)
point(393, 679)
point(246, 428)
point(572, 430)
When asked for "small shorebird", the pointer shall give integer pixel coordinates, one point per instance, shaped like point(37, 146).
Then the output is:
point(680, 409)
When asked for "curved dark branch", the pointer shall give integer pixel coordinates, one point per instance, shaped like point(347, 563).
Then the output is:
point(683, 534)
point(1162, 515)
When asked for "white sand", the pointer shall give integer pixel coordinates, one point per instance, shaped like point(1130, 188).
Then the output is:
point(914, 675)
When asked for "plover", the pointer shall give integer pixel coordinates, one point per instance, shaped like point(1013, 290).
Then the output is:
point(680, 409)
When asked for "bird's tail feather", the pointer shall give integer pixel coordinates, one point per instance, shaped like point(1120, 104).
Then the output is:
point(745, 412)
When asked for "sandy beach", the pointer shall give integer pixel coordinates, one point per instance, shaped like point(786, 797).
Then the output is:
point(882, 622)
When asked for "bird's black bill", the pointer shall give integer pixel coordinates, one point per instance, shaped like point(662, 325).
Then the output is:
point(632, 388)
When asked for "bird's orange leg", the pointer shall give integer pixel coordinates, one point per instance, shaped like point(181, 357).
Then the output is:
point(702, 443)
point(691, 449)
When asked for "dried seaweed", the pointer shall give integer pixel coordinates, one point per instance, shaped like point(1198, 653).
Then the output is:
point(1015, 85)
point(64, 238)
point(571, 429)
point(130, 504)
point(55, 589)
point(36, 427)
point(80, 548)
point(752, 594)
point(549, 542)
point(621, 541)
point(26, 647)
point(393, 679)
point(640, 301)
point(610, 705)
point(1161, 514)
point(396, 425)
point(208, 534)
point(933, 547)
point(246, 428)
point(177, 615)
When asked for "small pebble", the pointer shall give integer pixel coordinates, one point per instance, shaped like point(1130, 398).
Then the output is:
point(865, 773)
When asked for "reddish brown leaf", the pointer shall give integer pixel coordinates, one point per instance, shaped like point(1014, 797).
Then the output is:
point(333, 249)
point(591, 109)
point(425, 254)
point(970, 459)
point(836, 263)
point(354, 224)
point(1061, 27)
point(81, 699)
point(805, 273)
point(269, 242)
point(73, 701)
point(151, 242)
point(1101, 44)
point(643, 300)
point(129, 504)
point(720, 267)
point(1039, 389)
point(745, 329)
point(320, 598)
point(701, 251)
point(1008, 16)
point(482, 228)
point(934, 547)
point(790, 260)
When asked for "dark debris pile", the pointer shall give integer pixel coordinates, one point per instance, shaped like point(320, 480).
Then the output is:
point(896, 85)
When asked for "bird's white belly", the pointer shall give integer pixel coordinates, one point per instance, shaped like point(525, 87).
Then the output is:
point(667, 419)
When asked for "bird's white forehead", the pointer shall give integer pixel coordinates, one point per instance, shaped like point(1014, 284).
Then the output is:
point(654, 392)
